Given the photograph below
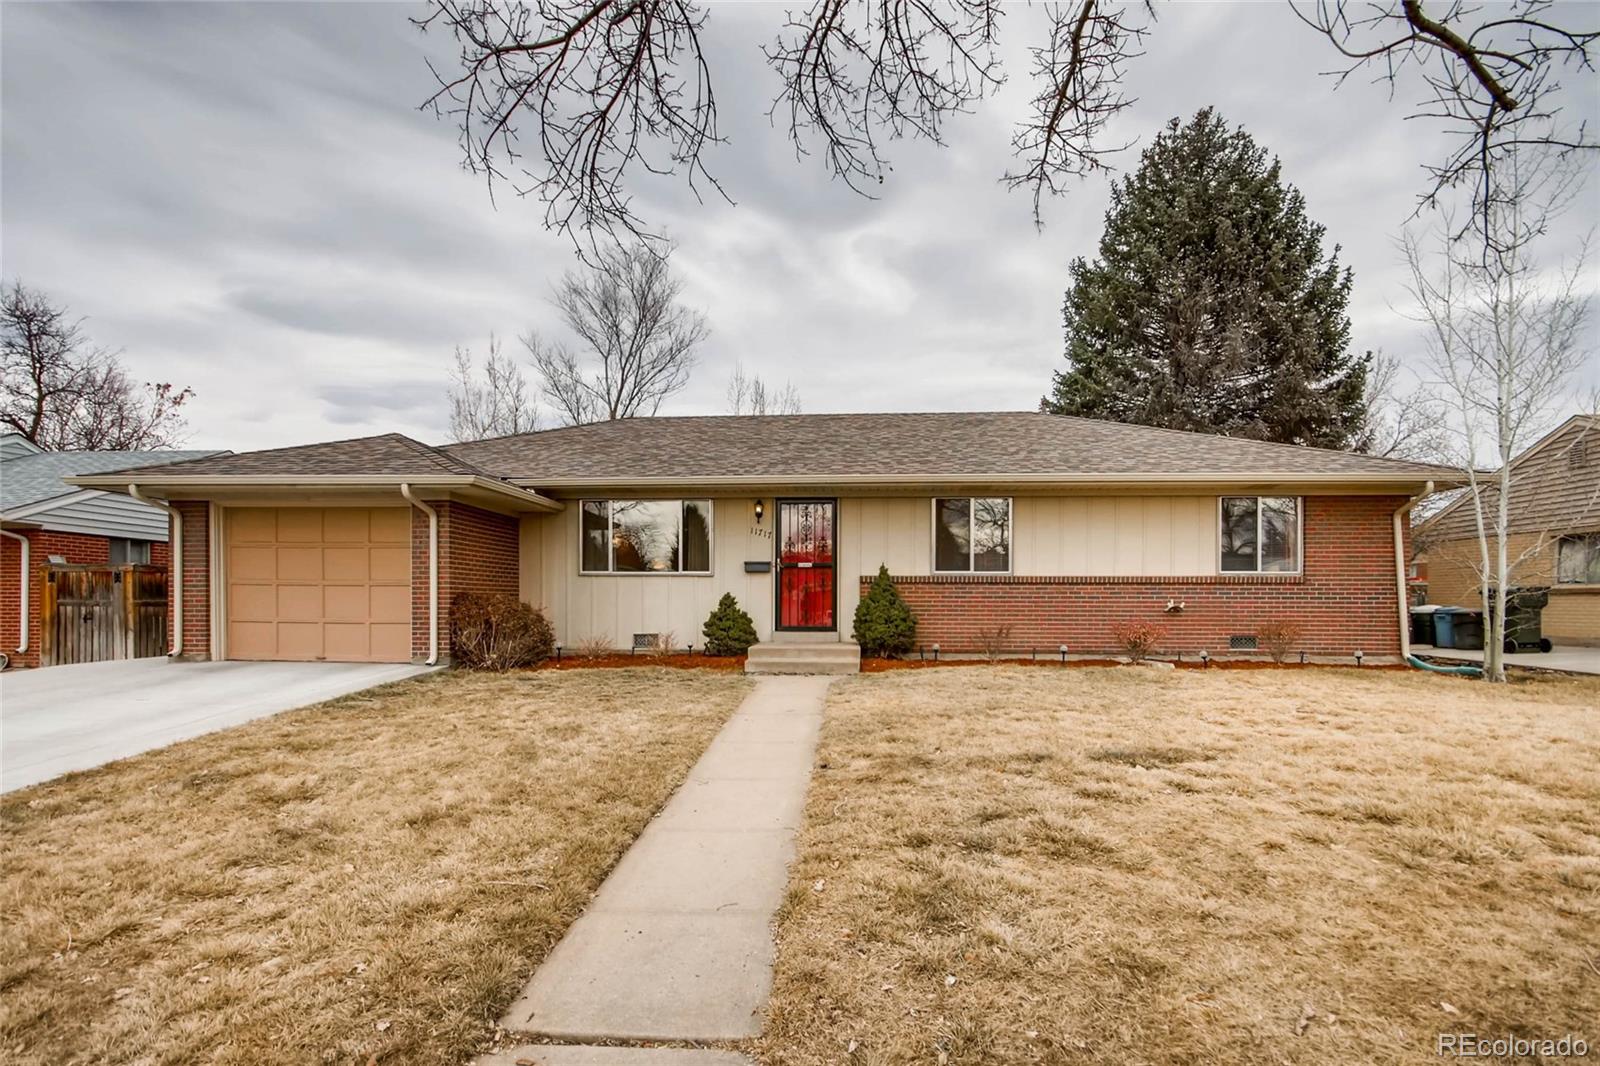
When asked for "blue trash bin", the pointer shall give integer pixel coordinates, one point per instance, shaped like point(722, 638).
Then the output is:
point(1444, 628)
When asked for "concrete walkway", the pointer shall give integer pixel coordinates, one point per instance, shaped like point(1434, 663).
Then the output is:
point(63, 718)
point(677, 944)
point(1569, 658)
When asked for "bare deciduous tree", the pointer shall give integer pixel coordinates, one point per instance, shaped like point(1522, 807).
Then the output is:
point(611, 86)
point(64, 393)
point(1505, 334)
point(1404, 419)
point(495, 404)
point(749, 395)
point(637, 341)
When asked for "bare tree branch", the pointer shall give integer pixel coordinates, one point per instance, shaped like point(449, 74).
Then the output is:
point(65, 394)
point(1080, 73)
point(493, 405)
point(749, 395)
point(606, 84)
point(901, 68)
point(638, 342)
point(1490, 75)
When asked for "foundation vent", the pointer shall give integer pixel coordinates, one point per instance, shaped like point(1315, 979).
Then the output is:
point(1242, 642)
point(646, 641)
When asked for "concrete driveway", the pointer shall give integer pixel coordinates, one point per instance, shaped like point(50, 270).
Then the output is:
point(1569, 658)
point(64, 718)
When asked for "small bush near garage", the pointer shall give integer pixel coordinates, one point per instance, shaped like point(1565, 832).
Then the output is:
point(496, 632)
point(729, 630)
point(885, 626)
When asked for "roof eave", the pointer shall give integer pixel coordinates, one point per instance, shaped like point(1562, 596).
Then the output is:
point(1408, 480)
point(158, 484)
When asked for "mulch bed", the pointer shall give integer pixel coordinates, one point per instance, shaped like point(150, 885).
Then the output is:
point(874, 666)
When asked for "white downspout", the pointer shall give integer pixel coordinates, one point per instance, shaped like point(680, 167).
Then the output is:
point(177, 566)
point(22, 625)
point(433, 573)
point(1400, 570)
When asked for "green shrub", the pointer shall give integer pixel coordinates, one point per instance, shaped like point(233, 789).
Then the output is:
point(729, 630)
point(498, 632)
point(885, 627)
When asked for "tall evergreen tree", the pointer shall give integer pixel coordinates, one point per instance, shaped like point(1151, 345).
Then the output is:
point(1212, 306)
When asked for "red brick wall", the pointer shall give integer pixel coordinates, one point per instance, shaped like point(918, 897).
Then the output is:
point(478, 552)
point(1344, 599)
point(196, 517)
point(79, 548)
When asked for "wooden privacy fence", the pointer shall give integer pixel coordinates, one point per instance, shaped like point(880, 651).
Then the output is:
point(94, 613)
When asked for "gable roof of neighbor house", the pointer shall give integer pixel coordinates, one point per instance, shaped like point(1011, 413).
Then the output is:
point(33, 494)
point(1555, 488)
point(28, 478)
point(863, 448)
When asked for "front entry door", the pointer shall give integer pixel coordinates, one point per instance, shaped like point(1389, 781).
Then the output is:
point(806, 594)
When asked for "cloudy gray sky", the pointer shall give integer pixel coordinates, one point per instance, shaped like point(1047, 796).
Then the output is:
point(246, 199)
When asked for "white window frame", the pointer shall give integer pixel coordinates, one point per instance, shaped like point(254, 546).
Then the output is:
point(1299, 532)
point(972, 520)
point(611, 537)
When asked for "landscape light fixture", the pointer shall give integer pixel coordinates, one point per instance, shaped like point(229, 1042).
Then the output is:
point(936, 652)
point(558, 651)
point(1063, 653)
point(1205, 658)
point(1358, 656)
point(1302, 658)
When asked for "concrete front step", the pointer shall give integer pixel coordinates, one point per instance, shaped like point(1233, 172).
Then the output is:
point(784, 658)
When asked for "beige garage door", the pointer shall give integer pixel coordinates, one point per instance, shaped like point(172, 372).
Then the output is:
point(328, 583)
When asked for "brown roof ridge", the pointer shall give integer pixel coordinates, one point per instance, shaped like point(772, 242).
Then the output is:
point(441, 457)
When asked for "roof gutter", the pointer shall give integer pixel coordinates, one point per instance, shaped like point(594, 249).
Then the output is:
point(25, 602)
point(177, 565)
point(433, 572)
point(171, 482)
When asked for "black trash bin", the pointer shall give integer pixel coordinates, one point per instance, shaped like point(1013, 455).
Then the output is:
point(1525, 617)
point(1467, 629)
point(1422, 630)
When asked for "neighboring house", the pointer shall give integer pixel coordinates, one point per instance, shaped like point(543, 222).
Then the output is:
point(1054, 527)
point(66, 522)
point(1554, 539)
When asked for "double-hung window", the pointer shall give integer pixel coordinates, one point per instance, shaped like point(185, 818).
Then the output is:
point(129, 552)
point(1578, 560)
point(972, 534)
point(1260, 534)
point(646, 537)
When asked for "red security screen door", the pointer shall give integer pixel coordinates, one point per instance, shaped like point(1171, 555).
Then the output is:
point(805, 564)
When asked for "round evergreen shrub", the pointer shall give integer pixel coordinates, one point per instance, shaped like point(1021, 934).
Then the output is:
point(729, 629)
point(885, 627)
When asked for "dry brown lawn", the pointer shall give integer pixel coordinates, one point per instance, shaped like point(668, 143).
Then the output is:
point(1124, 866)
point(368, 879)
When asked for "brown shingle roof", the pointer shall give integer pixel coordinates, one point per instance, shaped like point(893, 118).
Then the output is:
point(999, 445)
point(391, 454)
point(1555, 488)
point(942, 445)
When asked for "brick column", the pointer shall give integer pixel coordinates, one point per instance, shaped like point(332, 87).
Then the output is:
point(196, 566)
point(479, 551)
